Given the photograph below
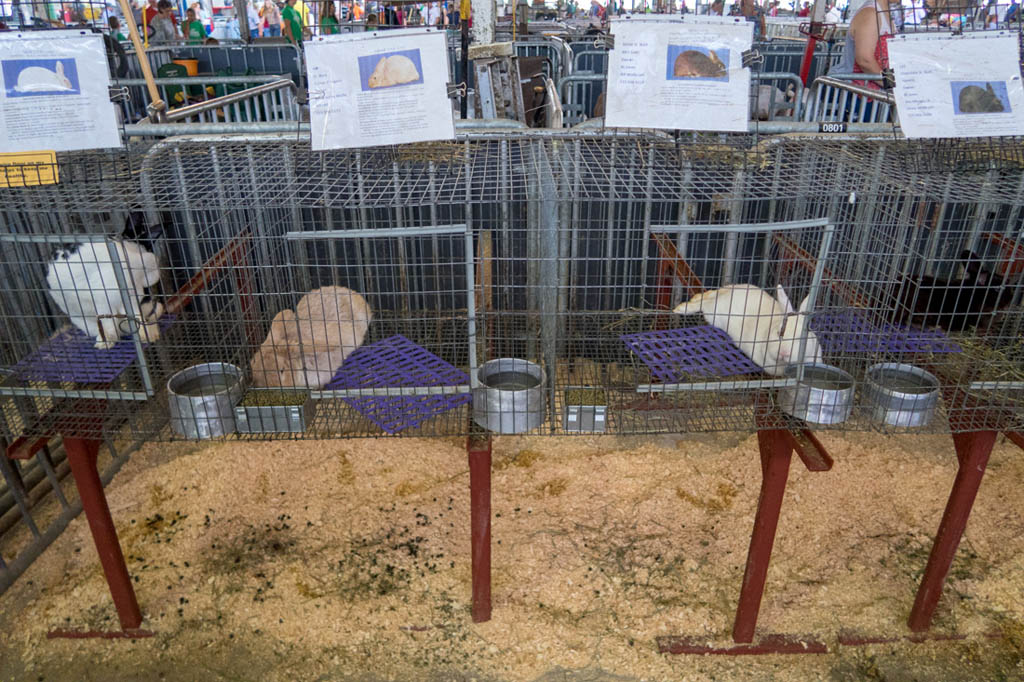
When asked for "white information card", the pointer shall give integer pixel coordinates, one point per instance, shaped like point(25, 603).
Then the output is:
point(958, 86)
point(56, 93)
point(371, 89)
point(682, 74)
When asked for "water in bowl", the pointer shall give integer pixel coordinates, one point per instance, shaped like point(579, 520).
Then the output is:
point(208, 384)
point(825, 379)
point(900, 381)
point(511, 381)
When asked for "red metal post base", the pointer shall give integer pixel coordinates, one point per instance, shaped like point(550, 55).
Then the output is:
point(479, 448)
point(776, 447)
point(973, 450)
point(769, 644)
point(81, 455)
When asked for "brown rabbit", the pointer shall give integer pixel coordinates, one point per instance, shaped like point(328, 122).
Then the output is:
point(696, 64)
point(305, 347)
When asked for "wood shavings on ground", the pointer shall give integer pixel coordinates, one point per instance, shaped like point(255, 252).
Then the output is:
point(349, 559)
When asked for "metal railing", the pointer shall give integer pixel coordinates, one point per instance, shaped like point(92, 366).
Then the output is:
point(275, 59)
point(553, 49)
point(840, 100)
point(590, 61)
point(774, 102)
point(274, 101)
point(216, 98)
point(579, 93)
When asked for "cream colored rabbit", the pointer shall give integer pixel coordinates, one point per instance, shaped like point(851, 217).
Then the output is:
point(394, 70)
point(768, 331)
point(40, 79)
point(305, 347)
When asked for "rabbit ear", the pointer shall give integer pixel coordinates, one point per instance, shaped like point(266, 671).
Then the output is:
point(60, 68)
point(805, 304)
point(780, 294)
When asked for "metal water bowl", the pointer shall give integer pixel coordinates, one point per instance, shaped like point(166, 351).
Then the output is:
point(823, 396)
point(900, 394)
point(511, 398)
point(203, 398)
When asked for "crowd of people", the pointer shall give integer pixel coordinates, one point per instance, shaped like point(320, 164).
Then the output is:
point(296, 20)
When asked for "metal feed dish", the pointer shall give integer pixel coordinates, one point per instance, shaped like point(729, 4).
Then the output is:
point(900, 394)
point(511, 398)
point(203, 398)
point(823, 396)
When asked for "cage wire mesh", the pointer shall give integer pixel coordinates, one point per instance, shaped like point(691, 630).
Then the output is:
point(564, 253)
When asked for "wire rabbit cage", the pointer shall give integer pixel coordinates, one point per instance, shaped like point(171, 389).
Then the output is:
point(637, 283)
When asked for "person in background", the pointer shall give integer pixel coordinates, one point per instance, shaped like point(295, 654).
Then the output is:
point(356, 12)
point(433, 14)
point(193, 30)
point(115, 29)
point(164, 28)
point(303, 10)
point(291, 22)
point(150, 12)
point(255, 23)
point(754, 14)
point(328, 19)
point(371, 22)
point(805, 11)
point(867, 39)
point(271, 17)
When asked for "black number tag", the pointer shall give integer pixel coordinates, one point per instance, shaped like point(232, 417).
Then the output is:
point(824, 127)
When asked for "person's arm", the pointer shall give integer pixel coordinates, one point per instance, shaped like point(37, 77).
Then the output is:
point(865, 39)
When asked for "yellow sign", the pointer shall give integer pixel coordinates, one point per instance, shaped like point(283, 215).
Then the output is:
point(28, 169)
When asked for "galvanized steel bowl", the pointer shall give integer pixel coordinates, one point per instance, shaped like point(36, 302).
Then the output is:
point(511, 399)
point(900, 394)
point(823, 396)
point(203, 398)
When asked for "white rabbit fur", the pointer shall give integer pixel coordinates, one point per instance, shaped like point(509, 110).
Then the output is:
point(83, 283)
point(757, 324)
point(305, 347)
point(40, 79)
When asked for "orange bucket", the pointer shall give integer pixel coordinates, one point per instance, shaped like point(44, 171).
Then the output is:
point(191, 65)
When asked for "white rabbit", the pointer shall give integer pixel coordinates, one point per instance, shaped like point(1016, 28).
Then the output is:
point(394, 70)
point(306, 346)
point(83, 283)
point(40, 79)
point(767, 330)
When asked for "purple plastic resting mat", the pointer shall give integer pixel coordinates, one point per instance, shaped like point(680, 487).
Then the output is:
point(393, 362)
point(72, 356)
point(707, 351)
point(703, 351)
point(850, 331)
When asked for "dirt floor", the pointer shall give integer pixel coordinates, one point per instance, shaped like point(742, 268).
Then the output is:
point(349, 560)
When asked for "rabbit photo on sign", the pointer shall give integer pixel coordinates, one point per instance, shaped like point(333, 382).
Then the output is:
point(766, 329)
point(306, 346)
point(41, 79)
point(394, 70)
point(977, 100)
point(83, 283)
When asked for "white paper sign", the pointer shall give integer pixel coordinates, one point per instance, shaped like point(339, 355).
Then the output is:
point(56, 93)
point(684, 74)
point(958, 86)
point(369, 89)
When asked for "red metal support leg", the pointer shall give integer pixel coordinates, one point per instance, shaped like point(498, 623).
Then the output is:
point(82, 459)
point(479, 448)
point(776, 448)
point(973, 450)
